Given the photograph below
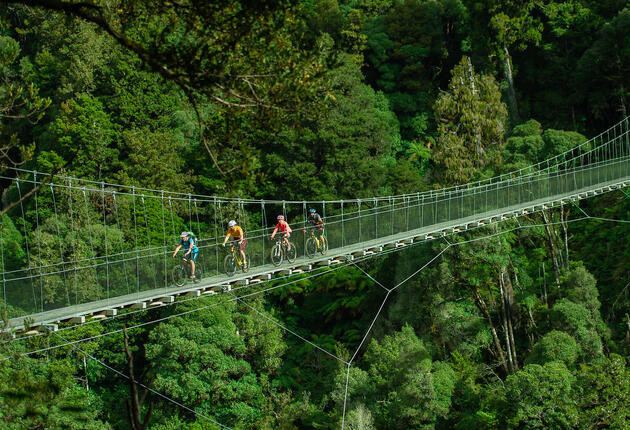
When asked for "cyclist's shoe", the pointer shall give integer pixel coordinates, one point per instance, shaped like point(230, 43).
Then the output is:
point(196, 280)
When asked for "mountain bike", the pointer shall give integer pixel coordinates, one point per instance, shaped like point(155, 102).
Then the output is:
point(314, 246)
point(181, 272)
point(280, 251)
point(233, 260)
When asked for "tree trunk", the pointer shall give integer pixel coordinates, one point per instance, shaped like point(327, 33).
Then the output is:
point(504, 318)
point(565, 230)
point(545, 285)
point(478, 141)
point(511, 92)
point(552, 248)
point(481, 305)
point(509, 311)
point(134, 404)
point(622, 101)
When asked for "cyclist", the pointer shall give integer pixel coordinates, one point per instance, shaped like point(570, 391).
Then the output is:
point(284, 228)
point(317, 223)
point(238, 236)
point(190, 246)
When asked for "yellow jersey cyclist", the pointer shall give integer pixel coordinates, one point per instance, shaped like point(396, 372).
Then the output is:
point(189, 242)
point(238, 237)
point(316, 223)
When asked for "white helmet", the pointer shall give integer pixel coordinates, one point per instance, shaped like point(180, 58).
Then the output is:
point(184, 234)
point(232, 223)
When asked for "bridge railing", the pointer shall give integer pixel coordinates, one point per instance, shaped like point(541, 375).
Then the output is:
point(78, 241)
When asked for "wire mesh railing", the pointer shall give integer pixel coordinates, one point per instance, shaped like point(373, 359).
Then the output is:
point(75, 241)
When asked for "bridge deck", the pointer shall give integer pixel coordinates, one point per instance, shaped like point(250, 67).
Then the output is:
point(264, 273)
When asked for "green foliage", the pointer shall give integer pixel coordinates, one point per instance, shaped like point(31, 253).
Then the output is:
point(342, 153)
point(411, 45)
point(83, 130)
point(401, 387)
point(316, 99)
point(540, 397)
point(41, 394)
point(20, 104)
point(554, 346)
point(471, 120)
point(213, 363)
point(611, 76)
point(604, 393)
point(577, 321)
point(13, 245)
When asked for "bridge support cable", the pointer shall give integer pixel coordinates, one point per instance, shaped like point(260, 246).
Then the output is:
point(370, 276)
point(28, 251)
point(105, 239)
point(283, 327)
point(146, 226)
point(576, 174)
point(39, 244)
point(164, 240)
point(61, 253)
point(345, 398)
point(323, 271)
point(74, 243)
point(135, 230)
point(122, 248)
point(93, 256)
point(4, 281)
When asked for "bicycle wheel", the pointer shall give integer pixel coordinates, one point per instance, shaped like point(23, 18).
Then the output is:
point(245, 266)
point(229, 265)
point(323, 246)
point(179, 275)
point(291, 253)
point(198, 272)
point(276, 255)
point(311, 247)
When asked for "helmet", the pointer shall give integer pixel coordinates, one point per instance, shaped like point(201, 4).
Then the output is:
point(232, 223)
point(184, 234)
point(280, 217)
point(312, 210)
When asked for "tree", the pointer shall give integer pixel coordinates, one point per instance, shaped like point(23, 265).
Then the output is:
point(219, 364)
point(576, 320)
point(607, 81)
point(20, 104)
point(401, 387)
point(515, 25)
point(471, 124)
point(342, 152)
point(604, 393)
point(37, 393)
point(409, 48)
point(554, 346)
point(540, 397)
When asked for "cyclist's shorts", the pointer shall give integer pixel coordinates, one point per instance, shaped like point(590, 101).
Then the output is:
point(193, 255)
point(242, 245)
point(319, 231)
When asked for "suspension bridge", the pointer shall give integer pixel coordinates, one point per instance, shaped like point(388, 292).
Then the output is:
point(77, 249)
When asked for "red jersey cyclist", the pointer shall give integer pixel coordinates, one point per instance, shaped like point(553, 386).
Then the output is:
point(284, 228)
point(238, 236)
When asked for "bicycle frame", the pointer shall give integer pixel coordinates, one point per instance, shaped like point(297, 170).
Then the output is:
point(236, 254)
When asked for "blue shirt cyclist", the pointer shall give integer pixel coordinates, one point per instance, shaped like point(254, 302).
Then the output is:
point(189, 243)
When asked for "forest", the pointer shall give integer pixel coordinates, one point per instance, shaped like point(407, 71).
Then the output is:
point(524, 324)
